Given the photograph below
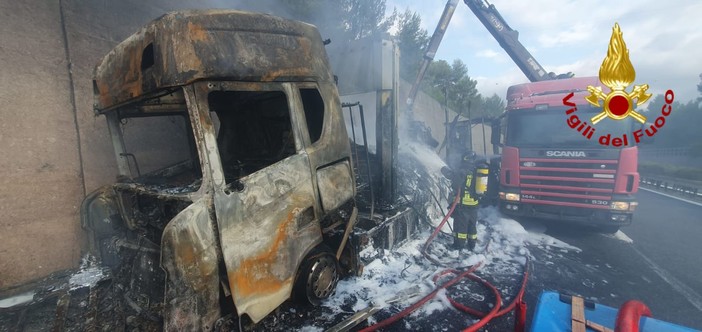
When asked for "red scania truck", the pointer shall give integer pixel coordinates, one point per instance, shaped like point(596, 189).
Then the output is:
point(553, 167)
point(551, 170)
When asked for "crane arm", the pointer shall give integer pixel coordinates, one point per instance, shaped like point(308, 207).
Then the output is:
point(508, 38)
point(431, 50)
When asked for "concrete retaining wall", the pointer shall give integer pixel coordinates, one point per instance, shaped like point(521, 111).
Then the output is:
point(53, 148)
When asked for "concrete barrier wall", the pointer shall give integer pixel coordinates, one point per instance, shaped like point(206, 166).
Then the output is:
point(54, 150)
point(40, 177)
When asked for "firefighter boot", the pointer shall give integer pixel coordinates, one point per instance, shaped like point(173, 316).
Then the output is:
point(459, 241)
point(472, 240)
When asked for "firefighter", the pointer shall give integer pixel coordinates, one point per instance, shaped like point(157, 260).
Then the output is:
point(465, 215)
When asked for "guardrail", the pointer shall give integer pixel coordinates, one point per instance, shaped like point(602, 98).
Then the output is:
point(664, 152)
point(676, 186)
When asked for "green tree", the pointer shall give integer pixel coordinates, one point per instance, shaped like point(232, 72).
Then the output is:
point(681, 128)
point(492, 106)
point(366, 18)
point(438, 81)
point(340, 20)
point(412, 41)
point(452, 81)
point(317, 12)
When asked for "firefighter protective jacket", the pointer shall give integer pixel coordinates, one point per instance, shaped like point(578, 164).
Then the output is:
point(463, 180)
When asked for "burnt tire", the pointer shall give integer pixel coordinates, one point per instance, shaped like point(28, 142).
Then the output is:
point(317, 277)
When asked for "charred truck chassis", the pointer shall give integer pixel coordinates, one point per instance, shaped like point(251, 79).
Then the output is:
point(234, 168)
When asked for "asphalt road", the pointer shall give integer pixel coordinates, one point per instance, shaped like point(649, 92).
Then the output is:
point(662, 267)
point(669, 233)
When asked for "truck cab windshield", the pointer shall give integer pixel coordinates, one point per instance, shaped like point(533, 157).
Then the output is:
point(155, 146)
point(532, 128)
point(169, 160)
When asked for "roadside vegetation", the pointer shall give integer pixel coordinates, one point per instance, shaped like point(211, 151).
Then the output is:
point(652, 169)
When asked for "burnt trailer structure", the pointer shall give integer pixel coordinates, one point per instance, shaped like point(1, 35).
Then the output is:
point(235, 183)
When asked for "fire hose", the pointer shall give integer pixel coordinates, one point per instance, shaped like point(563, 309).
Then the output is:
point(518, 304)
point(629, 315)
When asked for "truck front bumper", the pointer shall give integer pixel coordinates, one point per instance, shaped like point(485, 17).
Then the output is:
point(585, 216)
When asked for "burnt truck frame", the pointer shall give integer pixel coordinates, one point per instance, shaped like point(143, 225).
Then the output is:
point(235, 182)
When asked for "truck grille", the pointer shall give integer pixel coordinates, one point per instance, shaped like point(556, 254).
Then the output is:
point(568, 182)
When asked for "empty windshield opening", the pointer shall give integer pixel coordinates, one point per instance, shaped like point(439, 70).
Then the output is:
point(255, 130)
point(160, 151)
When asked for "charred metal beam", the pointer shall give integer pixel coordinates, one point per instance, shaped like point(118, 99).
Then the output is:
point(386, 125)
point(386, 136)
point(91, 316)
point(365, 145)
point(61, 311)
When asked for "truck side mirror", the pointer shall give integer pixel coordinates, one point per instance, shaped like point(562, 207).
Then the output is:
point(496, 134)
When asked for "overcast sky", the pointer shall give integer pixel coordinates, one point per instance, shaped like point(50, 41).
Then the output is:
point(664, 40)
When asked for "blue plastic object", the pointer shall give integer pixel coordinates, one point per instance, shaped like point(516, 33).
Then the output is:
point(553, 313)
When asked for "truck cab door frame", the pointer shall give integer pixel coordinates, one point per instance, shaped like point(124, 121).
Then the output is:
point(267, 220)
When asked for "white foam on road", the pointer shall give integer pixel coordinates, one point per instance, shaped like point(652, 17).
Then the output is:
point(87, 277)
point(89, 274)
point(16, 300)
point(619, 235)
point(502, 249)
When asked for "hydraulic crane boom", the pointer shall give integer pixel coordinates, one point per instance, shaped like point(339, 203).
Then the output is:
point(431, 50)
point(509, 40)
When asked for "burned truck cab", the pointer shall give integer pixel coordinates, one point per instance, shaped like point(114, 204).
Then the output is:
point(235, 183)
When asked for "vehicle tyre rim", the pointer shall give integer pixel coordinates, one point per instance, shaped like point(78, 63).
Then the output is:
point(322, 278)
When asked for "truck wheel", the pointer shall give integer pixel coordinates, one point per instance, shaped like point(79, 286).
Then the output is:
point(317, 277)
point(608, 229)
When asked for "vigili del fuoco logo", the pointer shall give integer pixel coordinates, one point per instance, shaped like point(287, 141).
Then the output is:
point(617, 73)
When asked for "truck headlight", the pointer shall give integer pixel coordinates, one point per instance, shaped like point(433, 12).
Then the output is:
point(511, 197)
point(619, 206)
